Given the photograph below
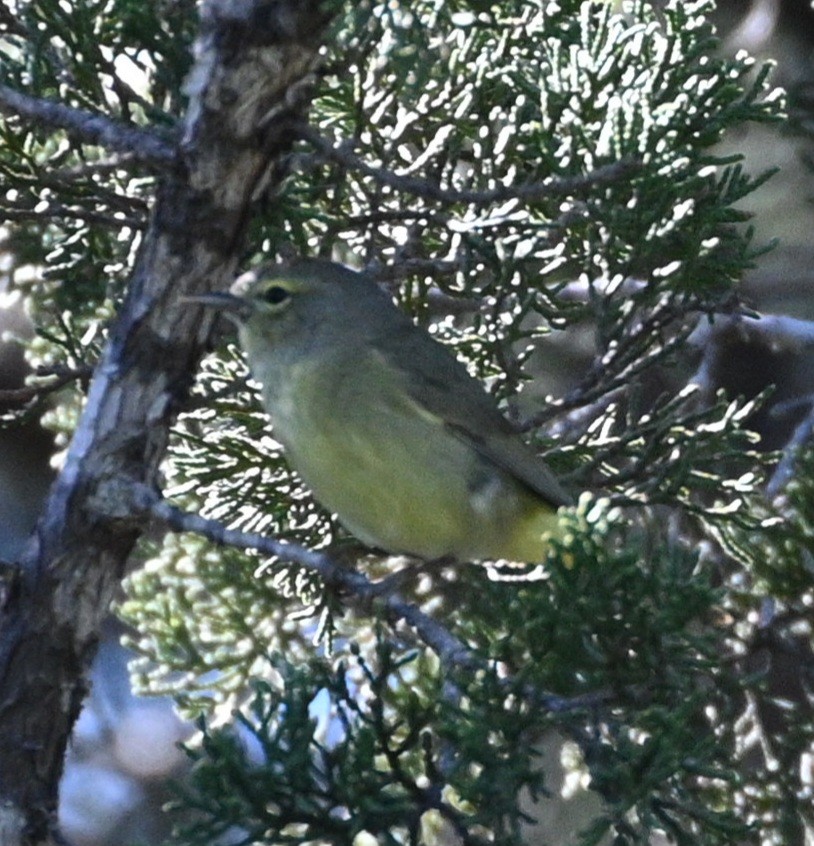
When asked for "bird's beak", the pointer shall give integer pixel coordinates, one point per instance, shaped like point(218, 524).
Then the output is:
point(234, 307)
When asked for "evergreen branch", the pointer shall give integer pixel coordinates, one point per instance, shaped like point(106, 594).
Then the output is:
point(564, 186)
point(446, 645)
point(399, 270)
point(102, 167)
point(88, 127)
point(634, 352)
point(452, 652)
point(12, 397)
point(58, 211)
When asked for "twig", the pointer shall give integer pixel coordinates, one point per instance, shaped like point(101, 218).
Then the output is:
point(86, 169)
point(12, 397)
point(58, 211)
point(405, 268)
point(88, 127)
point(563, 186)
point(452, 652)
point(448, 647)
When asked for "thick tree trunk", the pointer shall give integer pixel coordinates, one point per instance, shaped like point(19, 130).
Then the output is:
point(249, 84)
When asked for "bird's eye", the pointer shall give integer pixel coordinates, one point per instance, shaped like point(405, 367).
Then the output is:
point(276, 295)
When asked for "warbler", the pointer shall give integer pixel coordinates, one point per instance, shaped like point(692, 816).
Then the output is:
point(383, 423)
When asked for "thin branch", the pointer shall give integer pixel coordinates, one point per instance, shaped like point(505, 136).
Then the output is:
point(452, 652)
point(58, 211)
point(447, 646)
point(632, 354)
point(86, 169)
point(21, 396)
point(400, 270)
point(359, 221)
point(563, 186)
point(90, 128)
point(103, 195)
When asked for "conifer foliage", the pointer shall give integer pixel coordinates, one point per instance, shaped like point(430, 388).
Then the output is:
point(539, 185)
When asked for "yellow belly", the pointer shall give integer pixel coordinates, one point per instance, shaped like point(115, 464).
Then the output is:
point(406, 484)
point(396, 476)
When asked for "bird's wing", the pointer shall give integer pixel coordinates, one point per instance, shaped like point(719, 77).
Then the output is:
point(427, 370)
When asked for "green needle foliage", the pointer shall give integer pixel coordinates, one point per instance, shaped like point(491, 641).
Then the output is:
point(527, 176)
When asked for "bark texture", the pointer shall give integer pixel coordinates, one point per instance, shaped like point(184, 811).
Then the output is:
point(250, 84)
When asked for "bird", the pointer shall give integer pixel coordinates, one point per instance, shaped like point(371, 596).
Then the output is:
point(384, 424)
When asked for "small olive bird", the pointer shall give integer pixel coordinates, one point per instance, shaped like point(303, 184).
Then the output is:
point(383, 423)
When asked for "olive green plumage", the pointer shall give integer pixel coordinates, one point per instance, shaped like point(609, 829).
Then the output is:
point(384, 424)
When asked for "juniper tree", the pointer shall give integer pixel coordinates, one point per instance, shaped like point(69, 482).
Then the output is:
point(523, 176)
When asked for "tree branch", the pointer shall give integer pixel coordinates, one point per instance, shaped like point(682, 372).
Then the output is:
point(144, 145)
point(58, 211)
point(17, 397)
point(564, 186)
point(453, 653)
point(449, 649)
